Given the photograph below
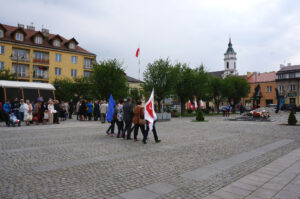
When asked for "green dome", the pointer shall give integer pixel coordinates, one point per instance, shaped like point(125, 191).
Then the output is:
point(230, 49)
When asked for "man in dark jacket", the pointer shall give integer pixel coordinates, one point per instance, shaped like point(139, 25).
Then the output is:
point(15, 107)
point(71, 108)
point(128, 115)
point(56, 114)
point(96, 110)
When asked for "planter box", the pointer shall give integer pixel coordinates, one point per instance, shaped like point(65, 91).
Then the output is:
point(163, 116)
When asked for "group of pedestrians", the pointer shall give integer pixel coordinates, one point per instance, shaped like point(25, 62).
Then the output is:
point(89, 110)
point(126, 114)
point(40, 111)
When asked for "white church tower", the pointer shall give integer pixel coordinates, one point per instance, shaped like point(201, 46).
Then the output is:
point(230, 61)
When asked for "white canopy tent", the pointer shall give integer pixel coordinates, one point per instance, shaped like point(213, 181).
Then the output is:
point(29, 85)
point(28, 90)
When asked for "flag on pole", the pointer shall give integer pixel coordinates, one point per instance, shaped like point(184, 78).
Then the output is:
point(189, 105)
point(137, 52)
point(195, 104)
point(150, 114)
point(201, 104)
point(111, 109)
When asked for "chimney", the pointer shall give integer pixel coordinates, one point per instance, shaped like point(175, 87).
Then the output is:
point(289, 64)
point(30, 27)
point(45, 31)
point(281, 66)
point(20, 25)
point(248, 74)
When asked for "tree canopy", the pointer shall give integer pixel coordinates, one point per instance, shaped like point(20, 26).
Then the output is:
point(108, 77)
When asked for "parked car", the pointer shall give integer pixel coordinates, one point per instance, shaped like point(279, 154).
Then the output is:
point(289, 107)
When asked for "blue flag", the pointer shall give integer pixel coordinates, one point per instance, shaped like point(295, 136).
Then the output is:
point(111, 109)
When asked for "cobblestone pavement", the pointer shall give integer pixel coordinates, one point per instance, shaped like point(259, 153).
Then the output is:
point(195, 159)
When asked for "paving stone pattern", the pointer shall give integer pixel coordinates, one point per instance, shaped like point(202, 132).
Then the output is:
point(78, 160)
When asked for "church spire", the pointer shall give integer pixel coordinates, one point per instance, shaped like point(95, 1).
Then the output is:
point(230, 49)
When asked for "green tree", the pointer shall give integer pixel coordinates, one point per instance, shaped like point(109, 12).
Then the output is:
point(108, 77)
point(160, 76)
point(201, 88)
point(235, 88)
point(77, 88)
point(134, 94)
point(183, 87)
point(7, 75)
point(200, 115)
point(216, 90)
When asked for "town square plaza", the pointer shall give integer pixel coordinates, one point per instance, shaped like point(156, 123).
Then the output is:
point(216, 159)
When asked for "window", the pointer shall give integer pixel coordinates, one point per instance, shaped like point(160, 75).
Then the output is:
point(1, 65)
point(86, 73)
point(20, 70)
point(234, 66)
point(19, 36)
point(280, 76)
point(292, 75)
point(73, 73)
point(269, 89)
point(281, 88)
point(58, 71)
point(87, 63)
point(72, 46)
point(56, 43)
point(292, 87)
point(40, 55)
point(20, 54)
point(38, 40)
point(227, 65)
point(40, 72)
point(2, 48)
point(1, 33)
point(74, 59)
point(58, 57)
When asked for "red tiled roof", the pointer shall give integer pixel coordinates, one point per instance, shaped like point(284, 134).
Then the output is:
point(262, 77)
point(47, 44)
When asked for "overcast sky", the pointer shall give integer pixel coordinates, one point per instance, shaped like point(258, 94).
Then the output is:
point(265, 33)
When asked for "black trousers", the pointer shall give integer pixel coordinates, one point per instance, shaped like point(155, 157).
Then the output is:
point(120, 128)
point(111, 127)
point(147, 131)
point(55, 118)
point(128, 125)
point(136, 130)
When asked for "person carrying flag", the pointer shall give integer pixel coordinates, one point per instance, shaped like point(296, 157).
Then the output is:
point(150, 117)
point(110, 116)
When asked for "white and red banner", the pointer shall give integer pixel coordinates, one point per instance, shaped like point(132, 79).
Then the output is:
point(150, 114)
point(202, 104)
point(195, 104)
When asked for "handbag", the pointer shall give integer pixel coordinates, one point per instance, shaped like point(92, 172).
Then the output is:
point(29, 117)
point(141, 121)
point(46, 116)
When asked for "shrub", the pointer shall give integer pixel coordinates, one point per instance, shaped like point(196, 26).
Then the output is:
point(292, 119)
point(189, 110)
point(200, 115)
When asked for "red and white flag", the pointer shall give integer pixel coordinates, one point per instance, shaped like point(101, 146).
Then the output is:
point(195, 104)
point(150, 114)
point(189, 104)
point(137, 52)
point(201, 104)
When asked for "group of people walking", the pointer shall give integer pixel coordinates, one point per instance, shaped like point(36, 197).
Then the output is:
point(126, 114)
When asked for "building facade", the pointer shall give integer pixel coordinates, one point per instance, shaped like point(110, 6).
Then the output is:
point(39, 56)
point(288, 84)
point(262, 90)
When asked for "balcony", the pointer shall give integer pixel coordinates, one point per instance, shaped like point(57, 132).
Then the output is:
point(45, 76)
point(20, 58)
point(41, 61)
point(87, 66)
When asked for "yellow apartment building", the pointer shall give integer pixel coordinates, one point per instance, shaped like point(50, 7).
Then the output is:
point(39, 56)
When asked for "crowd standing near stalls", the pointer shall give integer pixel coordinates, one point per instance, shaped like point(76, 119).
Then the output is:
point(24, 112)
